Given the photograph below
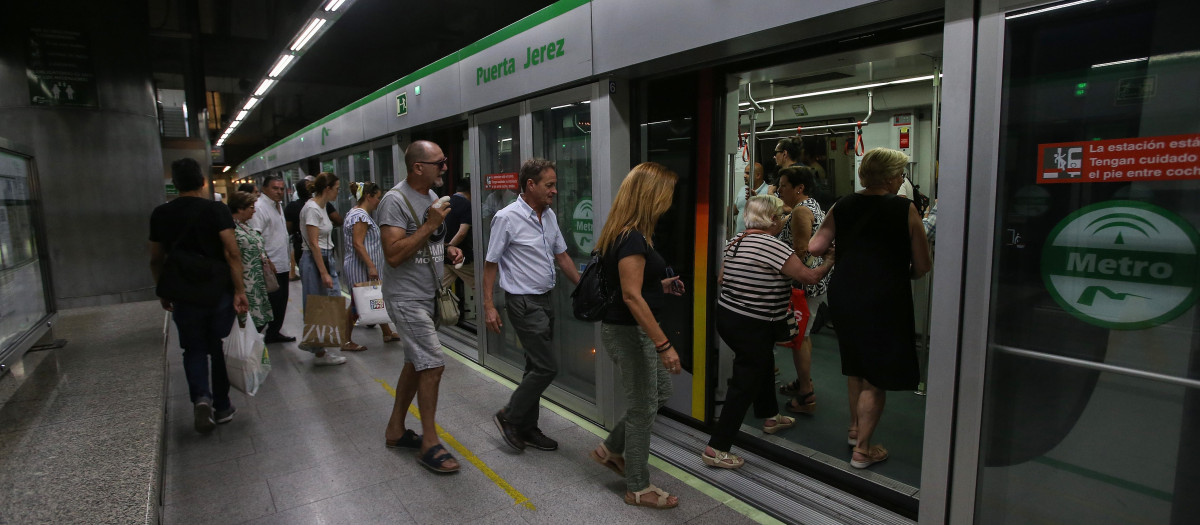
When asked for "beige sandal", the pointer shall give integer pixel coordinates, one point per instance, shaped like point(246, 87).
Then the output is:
point(876, 454)
point(611, 460)
point(722, 460)
point(781, 422)
point(662, 501)
point(852, 437)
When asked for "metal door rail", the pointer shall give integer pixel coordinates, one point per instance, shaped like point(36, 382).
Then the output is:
point(1103, 367)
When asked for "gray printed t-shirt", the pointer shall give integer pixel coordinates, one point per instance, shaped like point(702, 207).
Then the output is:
point(411, 280)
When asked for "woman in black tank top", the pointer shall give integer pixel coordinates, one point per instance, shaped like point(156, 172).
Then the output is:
point(880, 246)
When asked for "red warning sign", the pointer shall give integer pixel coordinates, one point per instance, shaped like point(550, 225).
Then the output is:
point(501, 181)
point(1171, 157)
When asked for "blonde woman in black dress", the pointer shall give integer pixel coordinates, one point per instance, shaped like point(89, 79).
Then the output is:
point(881, 245)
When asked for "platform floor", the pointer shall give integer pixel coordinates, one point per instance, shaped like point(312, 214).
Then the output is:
point(309, 449)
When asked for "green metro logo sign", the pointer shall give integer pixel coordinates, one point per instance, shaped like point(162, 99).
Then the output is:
point(1124, 265)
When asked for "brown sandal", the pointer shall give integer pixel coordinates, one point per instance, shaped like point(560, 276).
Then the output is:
point(611, 460)
point(661, 501)
point(353, 347)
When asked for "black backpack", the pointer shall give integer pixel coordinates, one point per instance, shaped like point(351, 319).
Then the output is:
point(593, 295)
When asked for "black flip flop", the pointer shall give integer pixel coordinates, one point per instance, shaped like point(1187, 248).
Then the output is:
point(435, 457)
point(410, 439)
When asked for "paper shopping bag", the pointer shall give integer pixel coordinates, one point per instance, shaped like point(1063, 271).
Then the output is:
point(324, 320)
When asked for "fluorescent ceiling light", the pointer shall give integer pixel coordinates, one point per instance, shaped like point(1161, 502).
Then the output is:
point(1051, 8)
point(1119, 62)
point(308, 33)
point(283, 62)
point(586, 102)
point(262, 88)
point(333, 5)
point(250, 103)
point(241, 115)
point(226, 169)
point(845, 89)
point(562, 106)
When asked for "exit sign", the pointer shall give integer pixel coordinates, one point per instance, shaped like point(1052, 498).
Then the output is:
point(402, 104)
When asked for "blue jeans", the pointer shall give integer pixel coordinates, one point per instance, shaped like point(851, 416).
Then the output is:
point(310, 277)
point(200, 332)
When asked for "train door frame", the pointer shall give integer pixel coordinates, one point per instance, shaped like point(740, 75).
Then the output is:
point(936, 441)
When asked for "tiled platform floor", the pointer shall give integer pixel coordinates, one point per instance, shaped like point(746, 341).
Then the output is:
point(309, 449)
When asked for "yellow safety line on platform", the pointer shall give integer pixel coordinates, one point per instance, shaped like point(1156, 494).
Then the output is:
point(700, 485)
point(466, 453)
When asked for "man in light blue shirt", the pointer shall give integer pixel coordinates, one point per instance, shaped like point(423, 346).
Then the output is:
point(524, 245)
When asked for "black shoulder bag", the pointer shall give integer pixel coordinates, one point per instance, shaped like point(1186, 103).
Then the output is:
point(191, 277)
point(593, 294)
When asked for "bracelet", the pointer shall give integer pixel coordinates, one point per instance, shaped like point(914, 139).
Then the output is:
point(663, 349)
point(664, 344)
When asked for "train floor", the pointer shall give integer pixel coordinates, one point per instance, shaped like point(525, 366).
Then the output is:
point(823, 433)
point(309, 448)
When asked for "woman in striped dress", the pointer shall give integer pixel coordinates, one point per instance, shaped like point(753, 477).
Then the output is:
point(755, 287)
point(364, 253)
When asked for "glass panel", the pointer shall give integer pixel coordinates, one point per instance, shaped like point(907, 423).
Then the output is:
point(345, 175)
point(362, 166)
point(563, 134)
point(667, 133)
point(499, 160)
point(22, 292)
point(383, 167)
point(1095, 260)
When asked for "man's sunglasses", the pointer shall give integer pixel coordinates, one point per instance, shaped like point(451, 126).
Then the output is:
point(441, 164)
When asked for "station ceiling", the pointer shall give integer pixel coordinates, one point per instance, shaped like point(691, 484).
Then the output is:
point(373, 43)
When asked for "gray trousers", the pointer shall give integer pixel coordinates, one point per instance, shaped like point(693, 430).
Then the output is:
point(647, 386)
point(532, 316)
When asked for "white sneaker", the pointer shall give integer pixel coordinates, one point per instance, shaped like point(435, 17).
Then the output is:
point(329, 359)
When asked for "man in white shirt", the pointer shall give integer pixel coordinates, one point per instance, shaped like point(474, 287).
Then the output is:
point(269, 221)
point(524, 246)
point(739, 202)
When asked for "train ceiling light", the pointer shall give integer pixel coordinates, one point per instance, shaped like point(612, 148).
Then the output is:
point(312, 29)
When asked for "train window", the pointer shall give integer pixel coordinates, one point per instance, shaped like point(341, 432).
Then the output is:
point(1091, 386)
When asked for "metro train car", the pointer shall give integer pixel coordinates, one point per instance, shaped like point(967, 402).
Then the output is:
point(1048, 145)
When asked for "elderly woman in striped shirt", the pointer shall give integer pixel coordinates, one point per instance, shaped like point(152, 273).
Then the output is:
point(755, 287)
point(364, 255)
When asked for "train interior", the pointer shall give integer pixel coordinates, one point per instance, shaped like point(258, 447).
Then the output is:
point(841, 106)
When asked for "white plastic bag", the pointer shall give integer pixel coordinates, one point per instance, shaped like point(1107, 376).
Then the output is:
point(246, 358)
point(368, 299)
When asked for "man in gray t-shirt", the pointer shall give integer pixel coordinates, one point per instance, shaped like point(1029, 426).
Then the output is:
point(412, 231)
point(412, 279)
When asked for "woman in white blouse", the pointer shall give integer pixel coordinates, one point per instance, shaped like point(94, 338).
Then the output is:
point(317, 275)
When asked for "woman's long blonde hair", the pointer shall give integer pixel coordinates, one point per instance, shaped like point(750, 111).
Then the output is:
point(643, 197)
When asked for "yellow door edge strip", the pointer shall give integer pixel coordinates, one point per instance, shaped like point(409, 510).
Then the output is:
point(700, 314)
point(466, 453)
point(700, 485)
